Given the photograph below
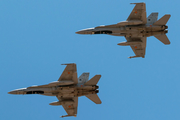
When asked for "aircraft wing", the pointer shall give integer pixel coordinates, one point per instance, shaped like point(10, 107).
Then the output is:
point(138, 13)
point(71, 108)
point(69, 73)
point(140, 48)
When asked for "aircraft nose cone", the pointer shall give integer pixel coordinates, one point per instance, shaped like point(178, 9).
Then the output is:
point(80, 32)
point(86, 31)
point(17, 91)
point(12, 92)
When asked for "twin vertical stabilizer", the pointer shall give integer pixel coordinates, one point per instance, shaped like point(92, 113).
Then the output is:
point(152, 18)
point(83, 78)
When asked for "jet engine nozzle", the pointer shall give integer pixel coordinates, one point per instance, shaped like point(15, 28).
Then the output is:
point(166, 27)
point(97, 91)
point(97, 87)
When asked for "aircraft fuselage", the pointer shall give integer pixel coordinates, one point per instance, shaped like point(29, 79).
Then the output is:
point(127, 31)
point(60, 91)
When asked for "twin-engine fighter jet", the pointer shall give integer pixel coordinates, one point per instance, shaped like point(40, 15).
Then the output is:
point(136, 29)
point(67, 89)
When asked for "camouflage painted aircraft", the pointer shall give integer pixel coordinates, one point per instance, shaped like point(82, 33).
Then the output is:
point(136, 29)
point(67, 89)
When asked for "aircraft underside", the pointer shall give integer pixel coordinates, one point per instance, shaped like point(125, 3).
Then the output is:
point(62, 91)
point(131, 31)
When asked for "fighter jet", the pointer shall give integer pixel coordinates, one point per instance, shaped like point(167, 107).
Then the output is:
point(136, 29)
point(67, 89)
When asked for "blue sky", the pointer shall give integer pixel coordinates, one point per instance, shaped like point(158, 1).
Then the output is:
point(37, 36)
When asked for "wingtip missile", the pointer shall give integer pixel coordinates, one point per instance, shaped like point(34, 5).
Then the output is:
point(138, 3)
point(135, 57)
point(67, 116)
point(68, 64)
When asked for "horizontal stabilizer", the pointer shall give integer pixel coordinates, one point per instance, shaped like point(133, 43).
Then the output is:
point(163, 38)
point(94, 80)
point(94, 98)
point(163, 20)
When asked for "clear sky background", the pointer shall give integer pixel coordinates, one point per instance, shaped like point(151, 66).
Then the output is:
point(37, 36)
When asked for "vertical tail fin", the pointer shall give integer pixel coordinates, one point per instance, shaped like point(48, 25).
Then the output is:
point(163, 38)
point(94, 98)
point(163, 20)
point(152, 18)
point(94, 80)
point(83, 78)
